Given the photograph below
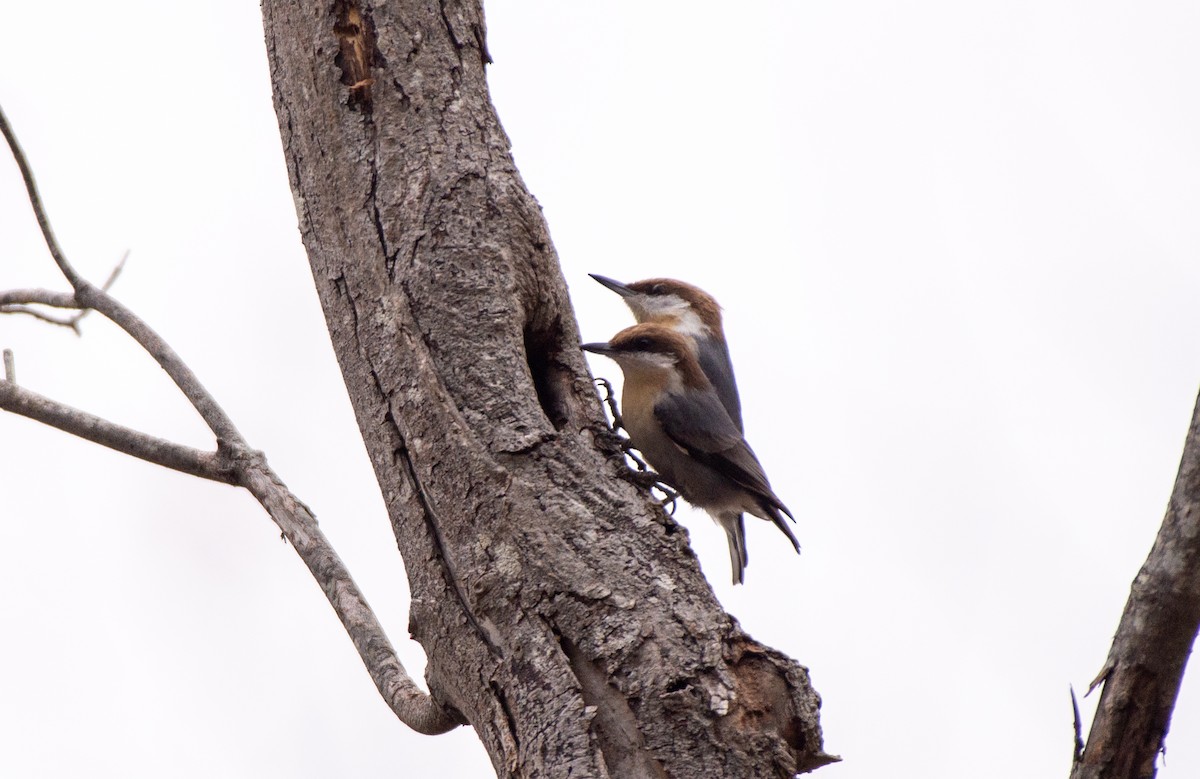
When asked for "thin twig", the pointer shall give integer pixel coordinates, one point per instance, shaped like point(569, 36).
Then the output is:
point(38, 315)
point(23, 301)
point(89, 296)
point(10, 367)
point(177, 457)
point(20, 301)
point(115, 272)
point(183, 376)
point(36, 201)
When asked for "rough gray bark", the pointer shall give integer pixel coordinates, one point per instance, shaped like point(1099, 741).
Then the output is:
point(563, 614)
point(1145, 665)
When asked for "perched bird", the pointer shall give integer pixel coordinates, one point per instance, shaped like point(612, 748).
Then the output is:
point(674, 416)
point(691, 312)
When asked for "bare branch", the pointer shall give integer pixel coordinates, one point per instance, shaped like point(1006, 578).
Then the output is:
point(20, 301)
point(89, 296)
point(234, 462)
point(1145, 665)
point(187, 381)
point(115, 272)
point(40, 297)
point(413, 706)
point(10, 366)
point(206, 465)
point(36, 201)
point(238, 465)
point(38, 315)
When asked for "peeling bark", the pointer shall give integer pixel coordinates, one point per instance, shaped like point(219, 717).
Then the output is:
point(562, 612)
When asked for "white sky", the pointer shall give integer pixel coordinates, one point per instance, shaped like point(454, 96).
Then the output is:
point(957, 248)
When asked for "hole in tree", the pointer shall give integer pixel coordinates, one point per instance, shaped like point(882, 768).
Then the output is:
point(551, 379)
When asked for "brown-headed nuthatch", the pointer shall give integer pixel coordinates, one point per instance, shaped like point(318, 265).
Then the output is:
point(675, 417)
point(691, 312)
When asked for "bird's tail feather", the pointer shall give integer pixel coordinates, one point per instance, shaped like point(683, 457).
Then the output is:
point(777, 517)
point(735, 531)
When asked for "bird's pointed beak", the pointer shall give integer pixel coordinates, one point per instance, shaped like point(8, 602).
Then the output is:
point(614, 285)
point(597, 348)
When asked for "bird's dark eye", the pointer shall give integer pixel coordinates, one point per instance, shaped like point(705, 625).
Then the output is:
point(656, 289)
point(642, 343)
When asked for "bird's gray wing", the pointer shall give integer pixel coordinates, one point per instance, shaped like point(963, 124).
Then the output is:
point(696, 421)
point(714, 361)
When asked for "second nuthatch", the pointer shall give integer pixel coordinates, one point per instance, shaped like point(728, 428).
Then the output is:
point(676, 419)
point(693, 313)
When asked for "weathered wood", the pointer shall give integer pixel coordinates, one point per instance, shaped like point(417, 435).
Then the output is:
point(563, 614)
point(1145, 665)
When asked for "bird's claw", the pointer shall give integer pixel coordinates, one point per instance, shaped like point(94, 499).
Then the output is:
point(640, 473)
point(669, 498)
point(652, 482)
point(609, 399)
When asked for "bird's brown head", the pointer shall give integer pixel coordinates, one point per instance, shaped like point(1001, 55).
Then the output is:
point(653, 348)
point(670, 301)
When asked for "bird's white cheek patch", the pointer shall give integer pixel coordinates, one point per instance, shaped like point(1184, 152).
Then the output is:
point(662, 362)
point(689, 324)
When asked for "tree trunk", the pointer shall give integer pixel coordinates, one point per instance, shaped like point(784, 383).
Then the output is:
point(563, 614)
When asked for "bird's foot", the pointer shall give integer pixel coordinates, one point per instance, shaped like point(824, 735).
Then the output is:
point(609, 399)
point(637, 471)
point(660, 490)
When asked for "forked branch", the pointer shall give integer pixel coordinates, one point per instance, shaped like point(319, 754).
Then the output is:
point(233, 462)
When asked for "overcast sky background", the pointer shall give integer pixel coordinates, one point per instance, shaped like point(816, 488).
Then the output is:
point(957, 246)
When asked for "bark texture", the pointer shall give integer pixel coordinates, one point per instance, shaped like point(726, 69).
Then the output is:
point(1145, 665)
point(562, 612)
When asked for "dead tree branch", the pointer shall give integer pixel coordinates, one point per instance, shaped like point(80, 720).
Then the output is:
point(234, 462)
point(25, 301)
point(206, 465)
point(19, 301)
point(1145, 665)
